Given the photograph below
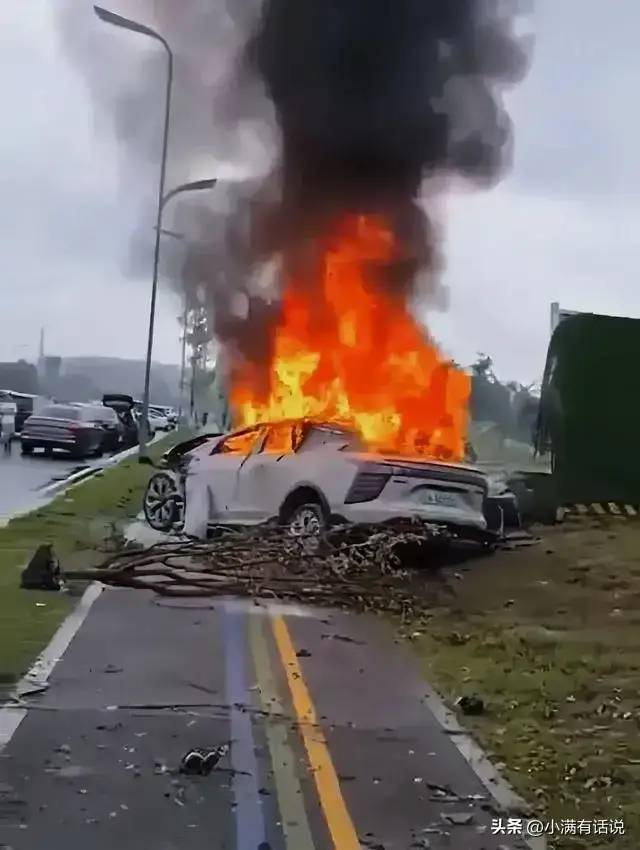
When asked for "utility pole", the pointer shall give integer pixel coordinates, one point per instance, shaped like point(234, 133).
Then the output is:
point(134, 26)
point(185, 316)
point(194, 357)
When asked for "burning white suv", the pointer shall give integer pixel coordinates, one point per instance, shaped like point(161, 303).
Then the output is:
point(308, 475)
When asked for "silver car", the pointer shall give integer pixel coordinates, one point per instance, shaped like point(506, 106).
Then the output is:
point(309, 475)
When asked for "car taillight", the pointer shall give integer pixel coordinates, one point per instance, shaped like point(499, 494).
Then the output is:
point(366, 486)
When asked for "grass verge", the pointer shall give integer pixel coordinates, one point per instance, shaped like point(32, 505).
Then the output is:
point(548, 636)
point(79, 523)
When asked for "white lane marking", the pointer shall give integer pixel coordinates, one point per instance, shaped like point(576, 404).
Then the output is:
point(475, 756)
point(11, 716)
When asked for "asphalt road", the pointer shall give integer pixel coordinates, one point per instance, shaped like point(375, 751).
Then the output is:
point(22, 478)
point(331, 742)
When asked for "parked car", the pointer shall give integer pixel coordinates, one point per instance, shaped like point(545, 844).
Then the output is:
point(123, 405)
point(168, 412)
point(151, 428)
point(108, 420)
point(159, 420)
point(63, 426)
point(27, 404)
point(308, 475)
point(8, 410)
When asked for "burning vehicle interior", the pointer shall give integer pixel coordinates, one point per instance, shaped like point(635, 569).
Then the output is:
point(308, 475)
point(345, 351)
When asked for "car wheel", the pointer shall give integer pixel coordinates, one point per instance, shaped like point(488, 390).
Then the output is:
point(307, 523)
point(27, 450)
point(163, 503)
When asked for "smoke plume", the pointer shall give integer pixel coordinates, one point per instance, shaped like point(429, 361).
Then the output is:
point(347, 105)
point(373, 96)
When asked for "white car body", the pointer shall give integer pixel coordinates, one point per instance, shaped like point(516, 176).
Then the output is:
point(158, 422)
point(267, 478)
point(164, 413)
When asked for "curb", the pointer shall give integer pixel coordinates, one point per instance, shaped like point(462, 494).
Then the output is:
point(48, 493)
point(59, 486)
point(506, 798)
point(12, 714)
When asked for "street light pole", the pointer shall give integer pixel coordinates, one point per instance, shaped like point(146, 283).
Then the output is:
point(193, 186)
point(144, 430)
point(119, 21)
point(184, 354)
point(126, 23)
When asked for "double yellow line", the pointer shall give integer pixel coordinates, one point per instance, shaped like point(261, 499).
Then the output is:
point(295, 822)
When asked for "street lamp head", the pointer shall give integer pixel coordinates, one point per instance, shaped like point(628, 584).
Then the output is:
point(194, 186)
point(200, 184)
point(118, 21)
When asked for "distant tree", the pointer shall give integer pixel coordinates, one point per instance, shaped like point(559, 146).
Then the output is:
point(74, 387)
point(483, 367)
point(20, 376)
point(511, 406)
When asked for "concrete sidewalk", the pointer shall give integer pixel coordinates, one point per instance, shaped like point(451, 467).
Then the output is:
point(333, 742)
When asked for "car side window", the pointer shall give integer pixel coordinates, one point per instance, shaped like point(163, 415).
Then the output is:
point(279, 440)
point(240, 444)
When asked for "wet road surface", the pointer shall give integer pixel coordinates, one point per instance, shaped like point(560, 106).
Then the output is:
point(331, 742)
point(22, 478)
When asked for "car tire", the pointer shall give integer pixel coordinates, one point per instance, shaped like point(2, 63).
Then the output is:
point(308, 523)
point(27, 450)
point(161, 510)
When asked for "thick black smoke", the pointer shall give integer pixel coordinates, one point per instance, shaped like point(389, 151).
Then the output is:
point(371, 98)
point(374, 96)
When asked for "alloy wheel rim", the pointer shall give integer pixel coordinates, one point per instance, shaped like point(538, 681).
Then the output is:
point(160, 500)
point(306, 525)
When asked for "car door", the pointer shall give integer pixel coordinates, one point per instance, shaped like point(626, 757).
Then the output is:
point(220, 469)
point(263, 477)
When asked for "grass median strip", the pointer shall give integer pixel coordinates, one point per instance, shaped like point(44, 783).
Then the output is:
point(79, 524)
point(548, 637)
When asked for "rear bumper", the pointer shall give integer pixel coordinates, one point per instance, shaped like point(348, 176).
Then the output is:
point(379, 512)
point(67, 444)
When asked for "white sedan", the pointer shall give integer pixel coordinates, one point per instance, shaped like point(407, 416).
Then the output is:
point(308, 475)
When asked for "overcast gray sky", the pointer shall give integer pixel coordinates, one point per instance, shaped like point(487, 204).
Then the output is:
point(562, 226)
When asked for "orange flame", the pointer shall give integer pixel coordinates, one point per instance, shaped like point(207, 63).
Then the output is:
point(345, 350)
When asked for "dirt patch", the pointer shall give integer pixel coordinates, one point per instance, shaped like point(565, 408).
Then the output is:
point(548, 637)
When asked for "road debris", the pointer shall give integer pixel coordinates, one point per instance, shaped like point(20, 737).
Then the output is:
point(361, 567)
point(200, 762)
point(458, 818)
point(471, 705)
point(343, 638)
point(43, 570)
point(30, 688)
